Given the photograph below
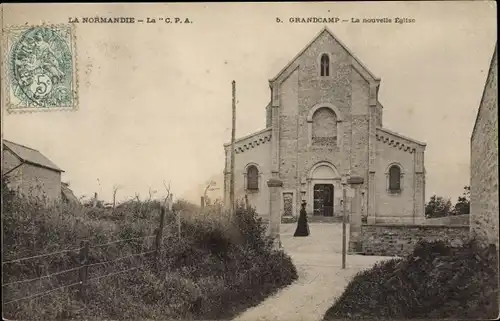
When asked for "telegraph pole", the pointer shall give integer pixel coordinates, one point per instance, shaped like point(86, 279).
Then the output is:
point(233, 134)
point(2, 116)
point(344, 219)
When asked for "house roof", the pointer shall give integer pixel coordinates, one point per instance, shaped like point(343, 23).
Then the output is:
point(30, 156)
point(325, 29)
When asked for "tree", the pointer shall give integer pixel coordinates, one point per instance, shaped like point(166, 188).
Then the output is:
point(151, 193)
point(438, 206)
point(168, 200)
point(210, 186)
point(115, 190)
point(463, 203)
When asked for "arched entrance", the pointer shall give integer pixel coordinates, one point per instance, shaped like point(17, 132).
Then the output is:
point(323, 181)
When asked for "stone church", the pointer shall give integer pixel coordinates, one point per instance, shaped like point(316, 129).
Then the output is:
point(324, 124)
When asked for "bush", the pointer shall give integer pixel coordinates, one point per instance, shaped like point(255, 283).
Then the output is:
point(438, 207)
point(435, 281)
point(463, 203)
point(215, 270)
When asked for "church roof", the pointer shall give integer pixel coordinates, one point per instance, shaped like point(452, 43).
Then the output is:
point(325, 29)
point(396, 139)
point(249, 137)
point(251, 141)
point(30, 156)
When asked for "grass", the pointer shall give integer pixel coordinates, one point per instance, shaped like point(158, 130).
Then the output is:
point(217, 269)
point(435, 281)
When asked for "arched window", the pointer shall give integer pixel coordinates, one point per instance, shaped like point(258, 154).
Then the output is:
point(252, 178)
point(325, 65)
point(394, 178)
point(324, 127)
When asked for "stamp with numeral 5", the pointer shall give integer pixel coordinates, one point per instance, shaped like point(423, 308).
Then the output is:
point(41, 72)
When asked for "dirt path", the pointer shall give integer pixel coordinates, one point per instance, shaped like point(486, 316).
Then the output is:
point(321, 279)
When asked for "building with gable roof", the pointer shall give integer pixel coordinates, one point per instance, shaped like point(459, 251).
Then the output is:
point(323, 124)
point(30, 173)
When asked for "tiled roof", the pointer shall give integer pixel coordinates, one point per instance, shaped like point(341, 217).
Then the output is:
point(31, 156)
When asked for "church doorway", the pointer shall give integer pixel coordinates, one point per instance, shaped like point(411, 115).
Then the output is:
point(323, 200)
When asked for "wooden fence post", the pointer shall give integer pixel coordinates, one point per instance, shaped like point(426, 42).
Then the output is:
point(84, 261)
point(41, 270)
point(179, 223)
point(94, 201)
point(159, 236)
point(170, 201)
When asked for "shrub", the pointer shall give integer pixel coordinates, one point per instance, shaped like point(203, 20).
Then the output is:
point(216, 269)
point(436, 281)
point(463, 203)
point(438, 207)
point(251, 228)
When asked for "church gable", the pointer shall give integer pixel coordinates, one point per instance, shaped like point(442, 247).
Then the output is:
point(314, 50)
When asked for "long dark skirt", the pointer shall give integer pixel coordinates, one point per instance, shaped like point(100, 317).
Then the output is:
point(302, 226)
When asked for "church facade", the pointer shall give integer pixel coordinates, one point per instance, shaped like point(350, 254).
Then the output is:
point(324, 124)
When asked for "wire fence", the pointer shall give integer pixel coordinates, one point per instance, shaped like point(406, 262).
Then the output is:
point(40, 256)
point(84, 265)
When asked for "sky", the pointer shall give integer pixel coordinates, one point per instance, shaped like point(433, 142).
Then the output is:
point(155, 99)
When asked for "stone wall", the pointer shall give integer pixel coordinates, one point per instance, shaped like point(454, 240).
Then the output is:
point(449, 220)
point(399, 240)
point(10, 161)
point(390, 204)
point(252, 150)
point(484, 163)
point(31, 181)
point(36, 182)
point(297, 155)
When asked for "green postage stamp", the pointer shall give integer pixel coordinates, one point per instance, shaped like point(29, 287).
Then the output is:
point(40, 68)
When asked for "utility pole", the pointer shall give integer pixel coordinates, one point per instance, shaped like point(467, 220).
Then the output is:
point(344, 219)
point(2, 106)
point(233, 138)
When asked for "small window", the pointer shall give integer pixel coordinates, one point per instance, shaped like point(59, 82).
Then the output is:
point(394, 178)
point(252, 178)
point(325, 65)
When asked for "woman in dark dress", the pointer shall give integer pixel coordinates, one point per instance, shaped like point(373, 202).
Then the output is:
point(302, 226)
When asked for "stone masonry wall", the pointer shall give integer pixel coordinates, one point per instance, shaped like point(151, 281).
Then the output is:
point(449, 220)
point(347, 89)
point(36, 182)
point(399, 240)
point(9, 161)
point(394, 204)
point(484, 163)
point(302, 90)
point(255, 150)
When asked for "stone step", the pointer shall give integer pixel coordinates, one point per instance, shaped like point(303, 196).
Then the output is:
point(313, 219)
point(324, 219)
